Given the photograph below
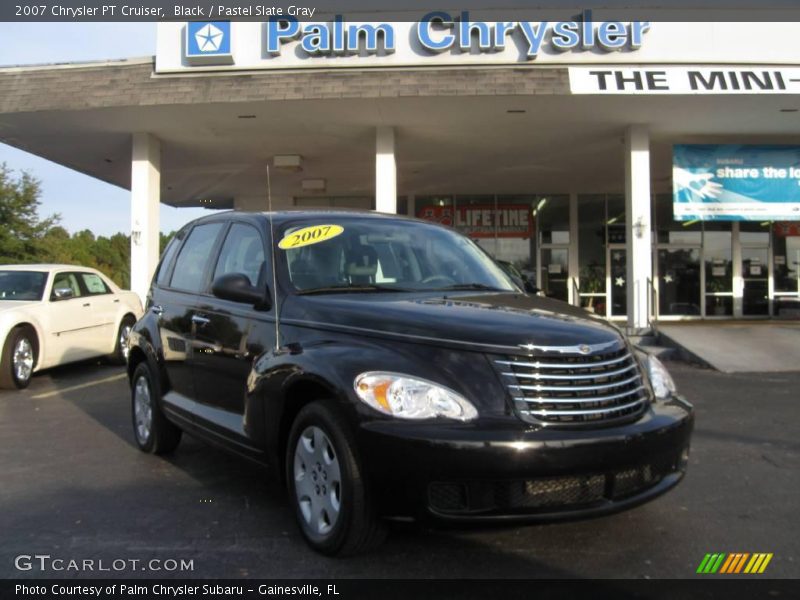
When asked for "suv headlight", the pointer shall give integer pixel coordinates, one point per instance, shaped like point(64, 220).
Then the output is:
point(410, 397)
point(660, 379)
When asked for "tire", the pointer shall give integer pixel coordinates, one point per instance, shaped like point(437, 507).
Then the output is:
point(120, 354)
point(151, 429)
point(20, 353)
point(326, 485)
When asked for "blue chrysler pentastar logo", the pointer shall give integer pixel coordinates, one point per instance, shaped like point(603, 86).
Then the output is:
point(208, 43)
point(209, 38)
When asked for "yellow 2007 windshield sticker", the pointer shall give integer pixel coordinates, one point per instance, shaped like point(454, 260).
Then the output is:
point(309, 235)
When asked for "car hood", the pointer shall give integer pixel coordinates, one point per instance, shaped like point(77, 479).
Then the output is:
point(490, 320)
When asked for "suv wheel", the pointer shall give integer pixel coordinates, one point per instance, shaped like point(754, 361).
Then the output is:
point(153, 432)
point(121, 351)
point(326, 487)
point(18, 359)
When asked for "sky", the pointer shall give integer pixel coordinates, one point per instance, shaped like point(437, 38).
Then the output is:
point(71, 194)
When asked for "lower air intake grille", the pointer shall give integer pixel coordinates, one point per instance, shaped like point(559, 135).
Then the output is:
point(548, 494)
point(580, 386)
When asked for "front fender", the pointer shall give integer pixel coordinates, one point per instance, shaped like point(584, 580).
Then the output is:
point(331, 366)
point(145, 339)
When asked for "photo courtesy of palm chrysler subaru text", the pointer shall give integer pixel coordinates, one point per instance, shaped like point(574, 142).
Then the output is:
point(384, 367)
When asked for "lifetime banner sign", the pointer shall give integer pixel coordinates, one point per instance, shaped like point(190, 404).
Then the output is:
point(736, 183)
point(483, 220)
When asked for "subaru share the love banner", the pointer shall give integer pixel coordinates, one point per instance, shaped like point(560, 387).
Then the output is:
point(736, 183)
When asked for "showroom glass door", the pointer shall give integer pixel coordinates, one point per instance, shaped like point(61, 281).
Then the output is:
point(755, 240)
point(617, 284)
point(755, 279)
point(554, 270)
point(786, 258)
point(551, 214)
point(679, 281)
point(718, 269)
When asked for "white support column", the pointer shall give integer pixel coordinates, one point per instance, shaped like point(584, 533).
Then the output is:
point(145, 203)
point(385, 171)
point(411, 205)
point(637, 224)
point(574, 267)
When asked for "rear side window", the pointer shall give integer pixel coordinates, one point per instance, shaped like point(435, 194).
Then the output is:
point(195, 254)
point(242, 252)
point(94, 284)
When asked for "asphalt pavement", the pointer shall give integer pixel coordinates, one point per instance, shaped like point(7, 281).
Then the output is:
point(74, 487)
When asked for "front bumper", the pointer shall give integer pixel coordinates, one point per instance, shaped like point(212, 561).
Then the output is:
point(503, 469)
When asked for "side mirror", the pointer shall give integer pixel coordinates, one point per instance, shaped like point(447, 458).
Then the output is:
point(530, 287)
point(63, 293)
point(236, 287)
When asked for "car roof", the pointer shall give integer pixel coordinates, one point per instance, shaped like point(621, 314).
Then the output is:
point(282, 216)
point(49, 268)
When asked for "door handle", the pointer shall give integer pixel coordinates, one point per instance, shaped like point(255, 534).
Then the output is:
point(87, 304)
point(157, 309)
point(200, 320)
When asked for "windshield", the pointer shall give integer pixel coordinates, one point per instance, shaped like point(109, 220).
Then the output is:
point(366, 255)
point(22, 285)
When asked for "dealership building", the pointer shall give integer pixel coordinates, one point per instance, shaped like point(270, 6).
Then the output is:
point(644, 170)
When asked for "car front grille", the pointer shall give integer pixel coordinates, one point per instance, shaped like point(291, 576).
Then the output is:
point(566, 386)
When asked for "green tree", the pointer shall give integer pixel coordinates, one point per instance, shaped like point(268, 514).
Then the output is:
point(21, 227)
point(27, 238)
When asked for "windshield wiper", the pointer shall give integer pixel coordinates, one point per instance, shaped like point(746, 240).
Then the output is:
point(354, 289)
point(470, 286)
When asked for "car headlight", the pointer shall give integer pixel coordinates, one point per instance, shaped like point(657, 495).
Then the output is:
point(660, 379)
point(410, 397)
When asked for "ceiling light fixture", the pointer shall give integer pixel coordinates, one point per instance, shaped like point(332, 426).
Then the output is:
point(288, 162)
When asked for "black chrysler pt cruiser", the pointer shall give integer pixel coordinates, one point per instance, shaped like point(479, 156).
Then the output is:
point(385, 367)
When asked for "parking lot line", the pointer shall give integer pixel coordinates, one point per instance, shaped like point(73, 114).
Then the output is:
point(79, 387)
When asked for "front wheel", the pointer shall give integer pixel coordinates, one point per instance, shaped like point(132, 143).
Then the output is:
point(326, 485)
point(18, 359)
point(153, 432)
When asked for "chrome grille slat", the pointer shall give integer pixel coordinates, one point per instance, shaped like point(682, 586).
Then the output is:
point(577, 388)
point(551, 389)
point(596, 411)
point(580, 399)
point(570, 377)
point(548, 365)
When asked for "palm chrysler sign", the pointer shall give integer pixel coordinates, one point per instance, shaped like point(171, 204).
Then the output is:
point(287, 41)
